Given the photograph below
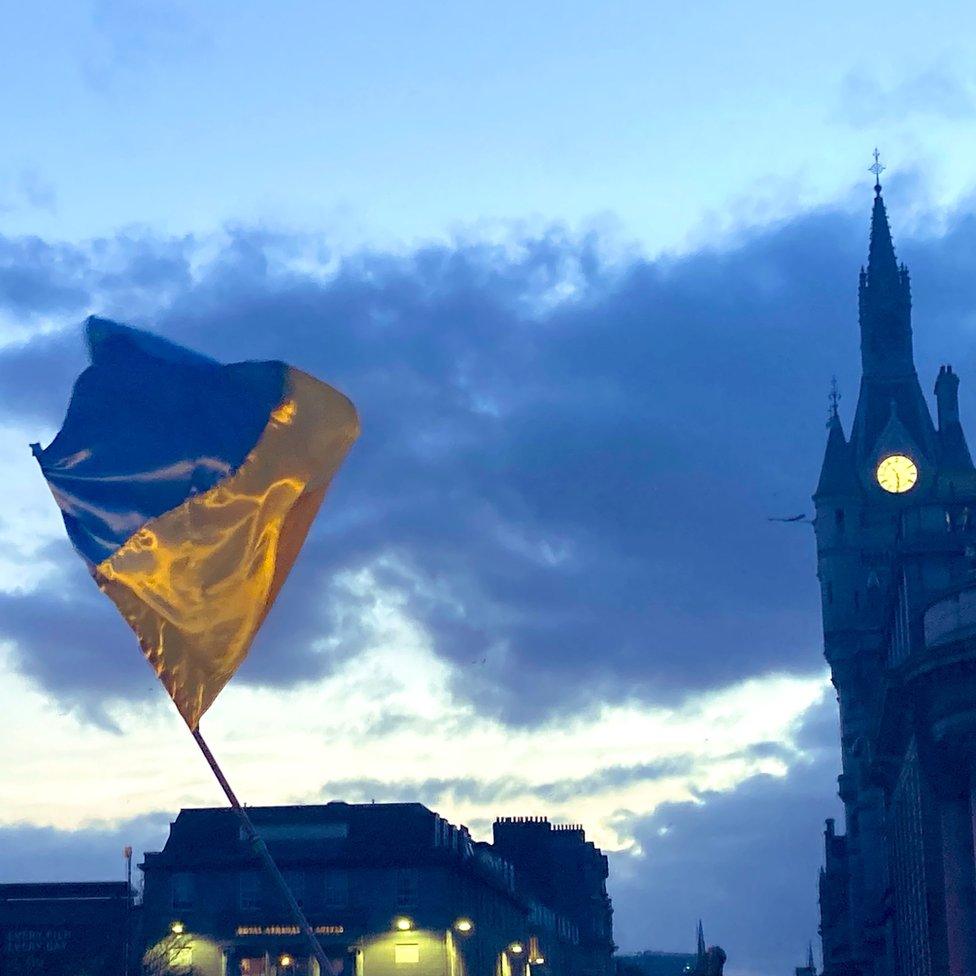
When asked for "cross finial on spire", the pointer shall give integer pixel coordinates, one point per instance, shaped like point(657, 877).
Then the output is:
point(878, 168)
point(833, 398)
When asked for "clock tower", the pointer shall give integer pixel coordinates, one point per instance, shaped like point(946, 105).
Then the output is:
point(896, 554)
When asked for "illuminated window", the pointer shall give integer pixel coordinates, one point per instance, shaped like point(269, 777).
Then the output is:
point(406, 954)
point(250, 890)
point(336, 888)
point(406, 888)
point(255, 966)
point(182, 891)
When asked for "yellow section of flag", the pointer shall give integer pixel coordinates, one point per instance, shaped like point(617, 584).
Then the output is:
point(196, 583)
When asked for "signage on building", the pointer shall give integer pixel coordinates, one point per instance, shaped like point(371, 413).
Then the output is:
point(37, 940)
point(287, 930)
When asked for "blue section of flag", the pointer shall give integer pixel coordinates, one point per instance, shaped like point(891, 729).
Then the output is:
point(149, 425)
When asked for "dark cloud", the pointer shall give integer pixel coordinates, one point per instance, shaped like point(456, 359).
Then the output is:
point(65, 641)
point(746, 862)
point(38, 278)
point(90, 853)
point(567, 464)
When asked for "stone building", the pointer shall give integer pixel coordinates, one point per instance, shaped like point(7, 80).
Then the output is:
point(390, 888)
point(65, 928)
point(896, 546)
point(556, 866)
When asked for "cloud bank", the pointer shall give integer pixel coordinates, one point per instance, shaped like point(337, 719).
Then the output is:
point(556, 517)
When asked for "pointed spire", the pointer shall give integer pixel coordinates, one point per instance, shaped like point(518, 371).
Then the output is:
point(884, 300)
point(881, 251)
point(882, 264)
point(837, 474)
point(702, 951)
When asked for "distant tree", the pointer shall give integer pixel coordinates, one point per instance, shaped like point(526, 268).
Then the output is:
point(169, 957)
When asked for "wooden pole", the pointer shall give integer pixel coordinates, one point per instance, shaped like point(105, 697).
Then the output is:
point(261, 849)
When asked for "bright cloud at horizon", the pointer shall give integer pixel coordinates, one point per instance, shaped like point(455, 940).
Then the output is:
point(294, 747)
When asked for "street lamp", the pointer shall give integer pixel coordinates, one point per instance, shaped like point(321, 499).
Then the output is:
point(403, 924)
point(177, 928)
point(464, 925)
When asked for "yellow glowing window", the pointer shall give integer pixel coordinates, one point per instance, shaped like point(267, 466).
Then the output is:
point(897, 473)
point(406, 953)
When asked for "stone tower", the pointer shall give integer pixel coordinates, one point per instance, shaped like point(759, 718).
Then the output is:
point(896, 549)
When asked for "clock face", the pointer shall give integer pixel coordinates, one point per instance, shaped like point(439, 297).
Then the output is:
point(897, 473)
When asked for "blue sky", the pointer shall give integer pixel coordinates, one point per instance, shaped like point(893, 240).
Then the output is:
point(587, 271)
point(393, 122)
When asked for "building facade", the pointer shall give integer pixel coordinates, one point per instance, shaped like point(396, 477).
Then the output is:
point(388, 888)
point(556, 866)
point(65, 929)
point(896, 547)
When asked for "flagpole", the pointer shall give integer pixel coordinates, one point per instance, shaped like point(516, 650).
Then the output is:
point(261, 848)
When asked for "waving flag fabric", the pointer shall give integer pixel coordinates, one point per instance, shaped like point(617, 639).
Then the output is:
point(188, 487)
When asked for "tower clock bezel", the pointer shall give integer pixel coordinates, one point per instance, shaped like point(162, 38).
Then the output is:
point(899, 470)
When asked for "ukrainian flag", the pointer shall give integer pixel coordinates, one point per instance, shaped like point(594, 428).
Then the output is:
point(188, 487)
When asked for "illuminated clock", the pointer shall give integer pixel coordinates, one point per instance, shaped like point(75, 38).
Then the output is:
point(897, 473)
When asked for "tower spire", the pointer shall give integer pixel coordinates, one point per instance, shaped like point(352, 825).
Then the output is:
point(882, 264)
point(884, 299)
point(702, 951)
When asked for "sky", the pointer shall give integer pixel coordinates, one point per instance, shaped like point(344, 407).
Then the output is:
point(587, 271)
